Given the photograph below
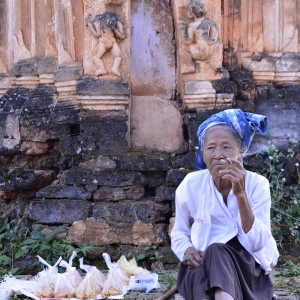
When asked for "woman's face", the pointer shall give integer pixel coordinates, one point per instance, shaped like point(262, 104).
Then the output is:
point(219, 143)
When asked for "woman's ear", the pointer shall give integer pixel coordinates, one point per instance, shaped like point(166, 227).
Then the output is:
point(202, 155)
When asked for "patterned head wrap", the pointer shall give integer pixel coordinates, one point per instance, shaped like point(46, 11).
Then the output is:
point(243, 124)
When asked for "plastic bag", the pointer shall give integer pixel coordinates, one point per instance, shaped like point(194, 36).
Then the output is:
point(92, 284)
point(67, 283)
point(144, 284)
point(46, 279)
point(131, 268)
point(117, 281)
point(11, 285)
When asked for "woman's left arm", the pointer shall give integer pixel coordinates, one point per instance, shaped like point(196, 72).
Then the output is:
point(254, 209)
point(236, 173)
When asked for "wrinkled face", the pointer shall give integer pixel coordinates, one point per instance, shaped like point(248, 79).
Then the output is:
point(219, 143)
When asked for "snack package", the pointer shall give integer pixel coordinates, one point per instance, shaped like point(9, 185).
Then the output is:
point(67, 283)
point(117, 281)
point(131, 268)
point(92, 284)
point(144, 284)
point(46, 279)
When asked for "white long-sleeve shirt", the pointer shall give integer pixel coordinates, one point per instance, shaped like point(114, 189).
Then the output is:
point(202, 218)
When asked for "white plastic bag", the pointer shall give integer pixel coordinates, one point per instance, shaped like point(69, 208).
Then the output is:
point(117, 281)
point(67, 283)
point(46, 279)
point(92, 284)
point(11, 285)
point(144, 283)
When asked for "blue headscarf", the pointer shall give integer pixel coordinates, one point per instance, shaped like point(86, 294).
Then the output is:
point(243, 124)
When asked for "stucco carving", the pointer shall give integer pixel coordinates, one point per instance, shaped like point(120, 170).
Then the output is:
point(21, 51)
point(201, 40)
point(50, 49)
point(270, 25)
point(65, 32)
point(270, 40)
point(107, 28)
point(63, 55)
point(104, 33)
point(200, 50)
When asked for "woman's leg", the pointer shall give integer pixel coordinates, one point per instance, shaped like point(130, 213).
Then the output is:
point(221, 295)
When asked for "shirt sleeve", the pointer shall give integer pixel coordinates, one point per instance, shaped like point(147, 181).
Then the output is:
point(260, 202)
point(181, 232)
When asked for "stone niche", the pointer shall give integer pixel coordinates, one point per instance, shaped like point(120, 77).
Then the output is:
point(80, 48)
point(58, 42)
point(200, 53)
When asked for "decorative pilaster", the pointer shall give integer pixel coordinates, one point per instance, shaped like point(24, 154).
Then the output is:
point(232, 34)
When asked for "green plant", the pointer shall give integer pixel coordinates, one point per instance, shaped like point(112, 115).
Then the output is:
point(12, 234)
point(285, 211)
point(137, 254)
point(156, 255)
point(123, 198)
point(280, 284)
point(293, 285)
point(290, 269)
point(140, 253)
point(17, 240)
point(168, 279)
point(51, 249)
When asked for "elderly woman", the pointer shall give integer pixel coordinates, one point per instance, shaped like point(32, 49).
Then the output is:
point(222, 229)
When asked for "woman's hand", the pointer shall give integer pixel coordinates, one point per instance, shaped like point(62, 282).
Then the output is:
point(236, 173)
point(194, 257)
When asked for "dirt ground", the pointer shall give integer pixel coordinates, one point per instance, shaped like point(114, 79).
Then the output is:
point(285, 288)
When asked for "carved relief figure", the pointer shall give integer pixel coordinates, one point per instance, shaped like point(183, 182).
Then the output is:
point(107, 28)
point(201, 38)
point(95, 7)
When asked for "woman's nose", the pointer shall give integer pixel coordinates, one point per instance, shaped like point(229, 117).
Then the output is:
point(219, 153)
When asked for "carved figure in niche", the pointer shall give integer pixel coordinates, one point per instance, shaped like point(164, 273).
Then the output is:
point(201, 37)
point(108, 28)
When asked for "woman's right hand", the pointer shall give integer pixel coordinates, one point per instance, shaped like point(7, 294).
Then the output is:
point(194, 257)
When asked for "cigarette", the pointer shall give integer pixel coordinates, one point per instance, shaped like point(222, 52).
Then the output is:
point(229, 160)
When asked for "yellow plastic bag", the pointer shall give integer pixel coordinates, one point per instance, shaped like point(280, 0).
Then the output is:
point(117, 281)
point(131, 268)
point(46, 279)
point(92, 284)
point(67, 283)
